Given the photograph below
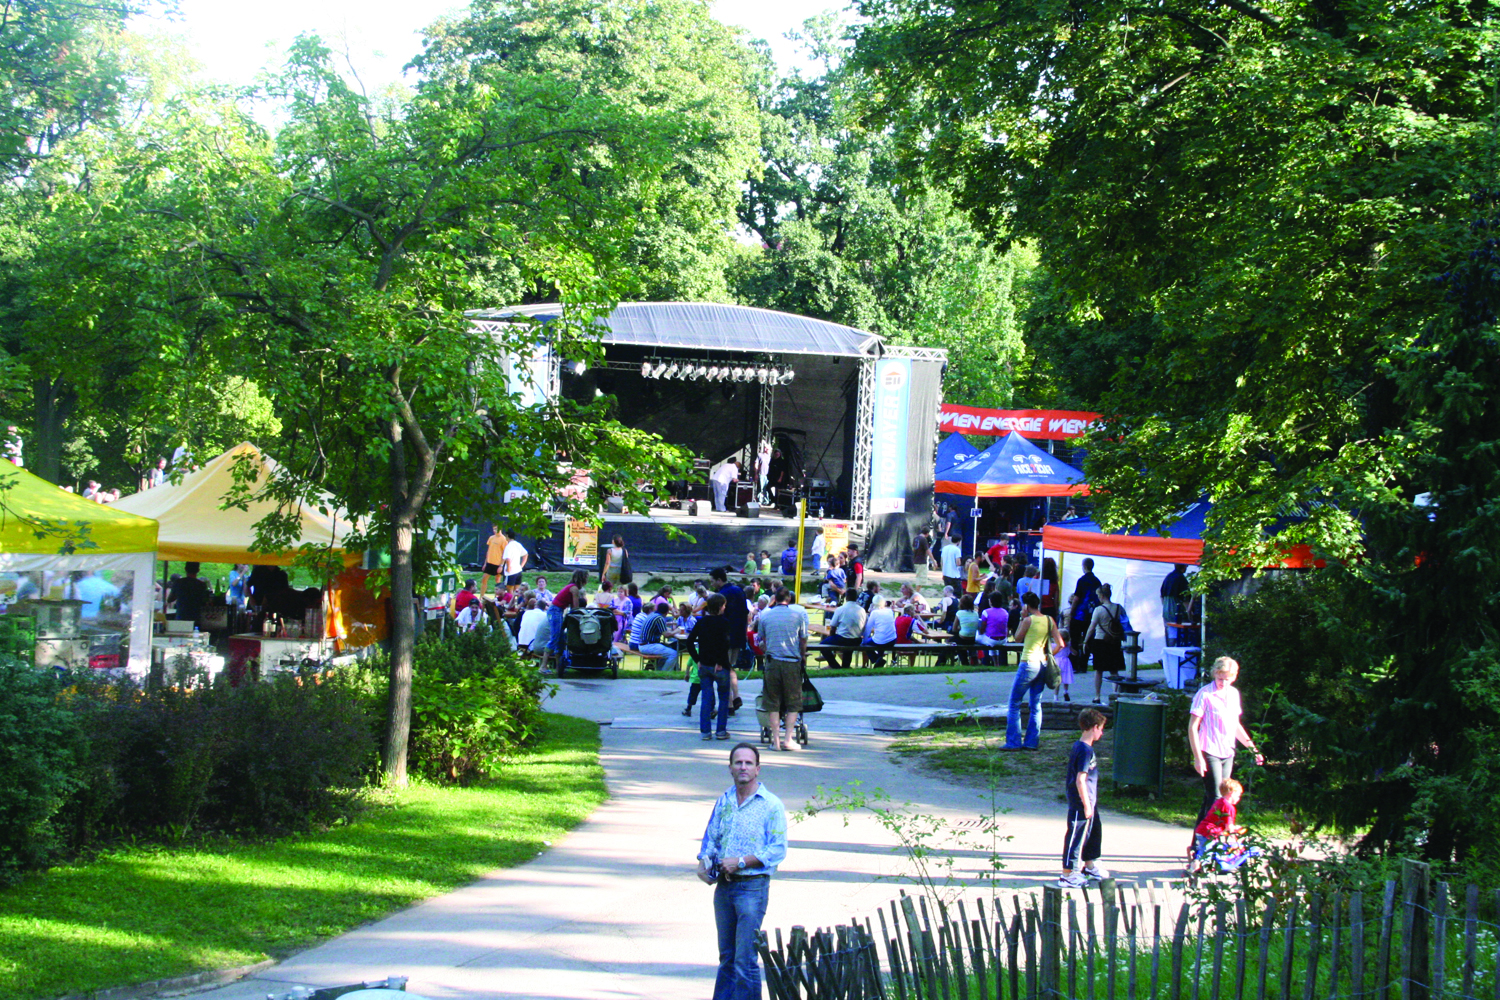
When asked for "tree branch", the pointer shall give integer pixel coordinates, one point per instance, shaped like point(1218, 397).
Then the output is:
point(1268, 19)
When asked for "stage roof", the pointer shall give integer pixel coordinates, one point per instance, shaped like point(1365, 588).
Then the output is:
point(711, 327)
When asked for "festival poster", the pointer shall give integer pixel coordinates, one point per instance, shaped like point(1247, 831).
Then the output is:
point(835, 536)
point(580, 543)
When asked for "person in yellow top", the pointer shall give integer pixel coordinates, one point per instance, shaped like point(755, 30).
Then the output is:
point(494, 555)
point(974, 575)
point(1031, 679)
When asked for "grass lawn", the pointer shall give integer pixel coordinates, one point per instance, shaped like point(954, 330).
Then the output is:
point(970, 756)
point(144, 914)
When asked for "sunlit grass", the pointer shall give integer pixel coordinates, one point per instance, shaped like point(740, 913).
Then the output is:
point(144, 914)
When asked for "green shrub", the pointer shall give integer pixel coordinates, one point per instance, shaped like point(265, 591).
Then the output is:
point(37, 742)
point(96, 761)
point(294, 752)
point(474, 701)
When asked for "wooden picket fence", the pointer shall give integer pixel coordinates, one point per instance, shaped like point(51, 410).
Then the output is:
point(1417, 941)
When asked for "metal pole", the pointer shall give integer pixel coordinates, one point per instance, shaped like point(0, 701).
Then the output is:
point(801, 527)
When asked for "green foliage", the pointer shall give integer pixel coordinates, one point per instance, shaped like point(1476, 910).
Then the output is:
point(98, 761)
point(475, 703)
point(1267, 231)
point(846, 235)
point(36, 753)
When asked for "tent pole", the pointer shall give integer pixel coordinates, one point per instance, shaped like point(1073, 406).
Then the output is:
point(801, 528)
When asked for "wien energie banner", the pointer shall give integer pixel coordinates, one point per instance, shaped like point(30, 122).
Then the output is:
point(1039, 425)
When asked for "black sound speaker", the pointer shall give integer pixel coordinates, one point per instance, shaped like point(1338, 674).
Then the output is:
point(748, 510)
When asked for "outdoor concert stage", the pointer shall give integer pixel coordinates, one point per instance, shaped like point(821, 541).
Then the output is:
point(855, 418)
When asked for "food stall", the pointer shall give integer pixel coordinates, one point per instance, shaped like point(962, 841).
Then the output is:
point(79, 572)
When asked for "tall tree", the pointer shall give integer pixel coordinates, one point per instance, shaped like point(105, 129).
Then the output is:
point(495, 179)
point(845, 234)
point(1242, 208)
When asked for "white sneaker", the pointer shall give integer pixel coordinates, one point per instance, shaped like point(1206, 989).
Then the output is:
point(1072, 880)
point(1095, 872)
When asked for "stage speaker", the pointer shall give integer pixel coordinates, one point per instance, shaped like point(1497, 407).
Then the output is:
point(614, 505)
point(748, 510)
point(702, 508)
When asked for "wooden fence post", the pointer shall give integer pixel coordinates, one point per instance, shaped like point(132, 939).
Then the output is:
point(1416, 899)
point(1314, 946)
point(1111, 931)
point(1357, 944)
point(1387, 932)
point(1267, 926)
point(1178, 933)
point(1440, 938)
point(1051, 984)
point(1471, 938)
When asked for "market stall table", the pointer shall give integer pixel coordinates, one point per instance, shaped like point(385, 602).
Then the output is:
point(271, 652)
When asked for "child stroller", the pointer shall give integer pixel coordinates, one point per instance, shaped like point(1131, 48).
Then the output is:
point(811, 702)
point(1218, 857)
point(588, 635)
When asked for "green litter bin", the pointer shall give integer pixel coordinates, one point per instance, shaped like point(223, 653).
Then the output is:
point(1140, 742)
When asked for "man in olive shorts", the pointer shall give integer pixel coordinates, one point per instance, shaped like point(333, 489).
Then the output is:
point(782, 630)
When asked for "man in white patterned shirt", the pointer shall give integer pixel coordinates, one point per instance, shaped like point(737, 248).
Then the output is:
point(744, 842)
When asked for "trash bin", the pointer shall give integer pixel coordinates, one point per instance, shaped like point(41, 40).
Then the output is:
point(1140, 742)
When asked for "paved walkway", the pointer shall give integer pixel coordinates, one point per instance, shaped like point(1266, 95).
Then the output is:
point(614, 911)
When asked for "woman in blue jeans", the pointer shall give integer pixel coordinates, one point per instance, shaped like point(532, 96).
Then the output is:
point(1036, 629)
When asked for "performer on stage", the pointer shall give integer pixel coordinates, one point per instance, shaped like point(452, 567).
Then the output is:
point(724, 477)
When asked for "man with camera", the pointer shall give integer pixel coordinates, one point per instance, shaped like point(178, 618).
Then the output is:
point(743, 843)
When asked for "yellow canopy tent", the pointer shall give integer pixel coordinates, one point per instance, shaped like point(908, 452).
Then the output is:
point(55, 544)
point(194, 527)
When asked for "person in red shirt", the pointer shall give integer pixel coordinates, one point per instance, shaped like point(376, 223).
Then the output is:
point(906, 624)
point(464, 597)
point(567, 599)
point(1217, 827)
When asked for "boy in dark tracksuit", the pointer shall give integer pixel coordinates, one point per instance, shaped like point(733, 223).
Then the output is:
point(1081, 842)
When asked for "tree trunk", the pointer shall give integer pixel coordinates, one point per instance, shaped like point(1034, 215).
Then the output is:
point(52, 404)
point(403, 639)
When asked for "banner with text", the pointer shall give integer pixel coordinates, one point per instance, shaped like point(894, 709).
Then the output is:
point(1041, 425)
point(892, 408)
point(580, 543)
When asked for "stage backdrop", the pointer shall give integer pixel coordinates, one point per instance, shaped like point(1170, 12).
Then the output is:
point(906, 404)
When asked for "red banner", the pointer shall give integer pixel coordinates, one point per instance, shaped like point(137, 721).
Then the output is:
point(1039, 425)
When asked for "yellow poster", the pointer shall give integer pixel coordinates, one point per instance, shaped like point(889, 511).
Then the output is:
point(580, 543)
point(835, 536)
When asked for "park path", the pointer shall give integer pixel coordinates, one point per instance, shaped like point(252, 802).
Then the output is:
point(614, 912)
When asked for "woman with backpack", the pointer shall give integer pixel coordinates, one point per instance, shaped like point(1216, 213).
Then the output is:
point(1103, 639)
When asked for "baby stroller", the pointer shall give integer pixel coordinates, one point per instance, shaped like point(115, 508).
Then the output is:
point(811, 702)
point(588, 635)
point(1218, 857)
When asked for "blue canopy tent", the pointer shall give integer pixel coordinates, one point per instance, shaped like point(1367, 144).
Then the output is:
point(954, 450)
point(1012, 467)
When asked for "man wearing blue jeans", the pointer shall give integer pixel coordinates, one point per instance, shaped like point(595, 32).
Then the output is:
point(742, 845)
point(654, 635)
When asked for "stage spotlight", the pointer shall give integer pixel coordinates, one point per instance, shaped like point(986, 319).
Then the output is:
point(713, 373)
point(645, 369)
point(788, 374)
point(700, 372)
point(577, 367)
point(763, 374)
point(672, 370)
